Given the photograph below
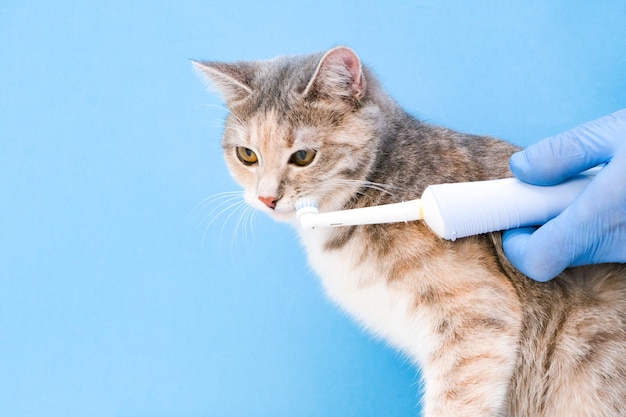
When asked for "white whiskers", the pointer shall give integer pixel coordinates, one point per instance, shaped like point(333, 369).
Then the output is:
point(230, 207)
point(334, 183)
point(226, 208)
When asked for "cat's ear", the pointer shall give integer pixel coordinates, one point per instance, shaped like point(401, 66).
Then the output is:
point(231, 80)
point(338, 75)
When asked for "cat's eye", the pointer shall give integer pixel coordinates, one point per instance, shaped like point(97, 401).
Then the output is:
point(247, 156)
point(302, 157)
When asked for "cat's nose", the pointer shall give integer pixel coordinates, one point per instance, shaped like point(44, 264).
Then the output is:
point(269, 201)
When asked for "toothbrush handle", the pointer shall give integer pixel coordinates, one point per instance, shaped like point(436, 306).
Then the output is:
point(389, 213)
point(464, 209)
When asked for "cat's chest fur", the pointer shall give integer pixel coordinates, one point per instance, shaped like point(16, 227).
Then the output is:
point(358, 281)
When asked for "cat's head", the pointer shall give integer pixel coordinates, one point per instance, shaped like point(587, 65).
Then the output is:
point(301, 126)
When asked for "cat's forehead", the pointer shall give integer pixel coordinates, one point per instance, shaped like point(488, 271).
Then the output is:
point(266, 130)
point(270, 130)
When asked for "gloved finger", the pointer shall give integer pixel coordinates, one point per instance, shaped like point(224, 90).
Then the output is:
point(541, 254)
point(554, 159)
point(514, 243)
point(517, 245)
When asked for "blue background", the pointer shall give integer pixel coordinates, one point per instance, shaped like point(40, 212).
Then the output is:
point(120, 297)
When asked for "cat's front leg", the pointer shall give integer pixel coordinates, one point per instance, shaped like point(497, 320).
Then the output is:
point(470, 373)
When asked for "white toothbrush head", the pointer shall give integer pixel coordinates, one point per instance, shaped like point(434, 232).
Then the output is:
point(305, 208)
point(305, 205)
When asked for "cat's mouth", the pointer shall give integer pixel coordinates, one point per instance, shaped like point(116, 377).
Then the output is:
point(281, 212)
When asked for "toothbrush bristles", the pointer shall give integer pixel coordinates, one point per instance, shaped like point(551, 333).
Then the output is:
point(305, 206)
point(305, 202)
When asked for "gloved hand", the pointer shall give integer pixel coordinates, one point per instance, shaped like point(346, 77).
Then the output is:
point(593, 228)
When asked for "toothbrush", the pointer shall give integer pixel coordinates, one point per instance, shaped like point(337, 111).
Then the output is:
point(458, 210)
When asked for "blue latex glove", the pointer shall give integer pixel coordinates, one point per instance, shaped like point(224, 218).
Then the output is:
point(593, 228)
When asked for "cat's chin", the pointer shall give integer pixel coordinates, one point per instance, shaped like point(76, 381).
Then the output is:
point(283, 216)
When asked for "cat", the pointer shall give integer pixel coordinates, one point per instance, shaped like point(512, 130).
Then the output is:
point(488, 340)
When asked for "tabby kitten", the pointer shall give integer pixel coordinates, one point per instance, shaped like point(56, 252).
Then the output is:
point(489, 341)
